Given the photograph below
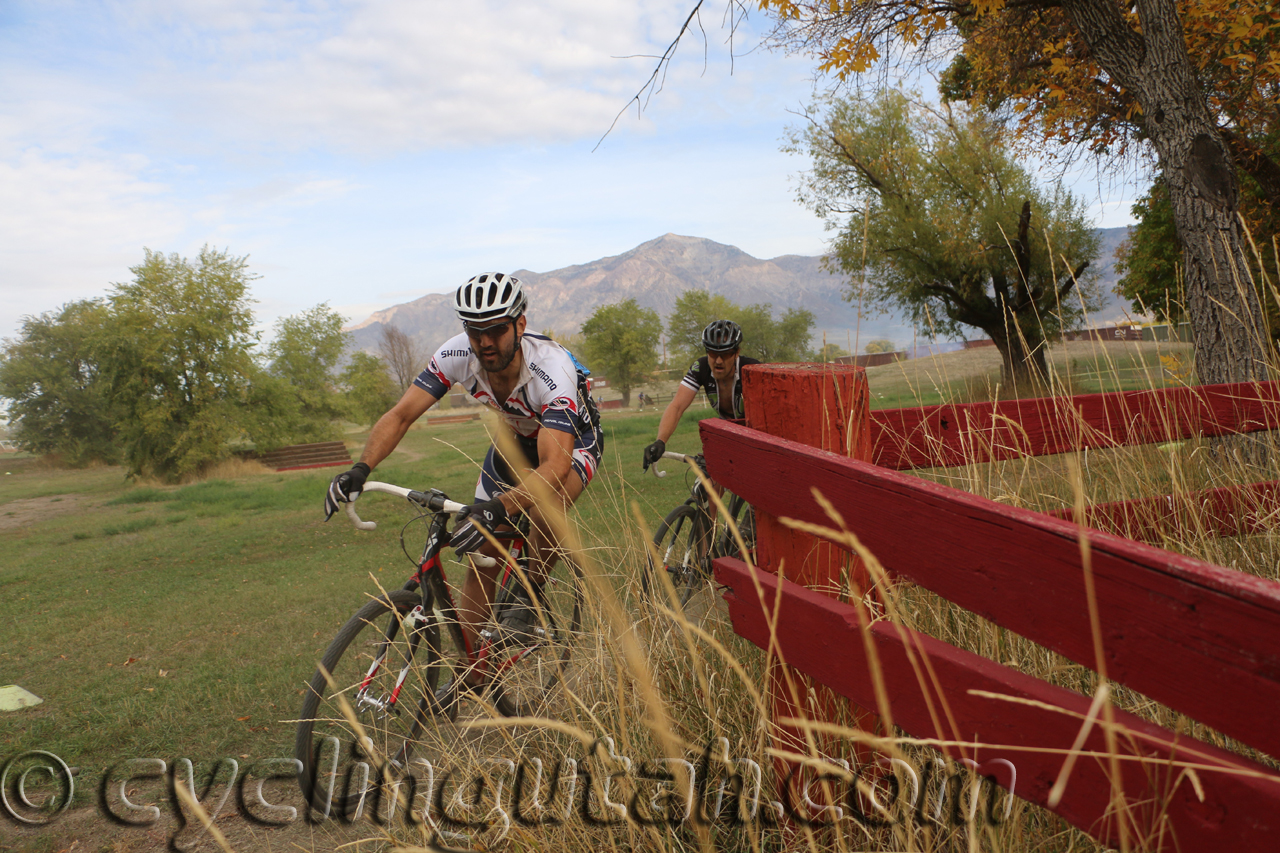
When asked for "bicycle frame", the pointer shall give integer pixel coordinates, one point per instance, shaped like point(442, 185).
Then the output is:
point(431, 581)
point(708, 517)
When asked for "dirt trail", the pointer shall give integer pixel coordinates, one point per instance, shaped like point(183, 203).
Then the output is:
point(26, 512)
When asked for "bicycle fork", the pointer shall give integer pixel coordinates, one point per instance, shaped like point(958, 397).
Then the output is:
point(386, 705)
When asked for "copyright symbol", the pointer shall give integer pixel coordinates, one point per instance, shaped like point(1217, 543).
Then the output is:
point(36, 787)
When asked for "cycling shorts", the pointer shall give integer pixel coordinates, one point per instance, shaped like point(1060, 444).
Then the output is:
point(497, 477)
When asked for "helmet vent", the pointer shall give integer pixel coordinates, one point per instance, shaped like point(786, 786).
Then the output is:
point(489, 296)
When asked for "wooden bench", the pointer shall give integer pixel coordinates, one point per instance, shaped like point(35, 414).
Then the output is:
point(322, 454)
point(453, 419)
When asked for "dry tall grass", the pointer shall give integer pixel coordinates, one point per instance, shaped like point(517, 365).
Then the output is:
point(652, 697)
point(646, 686)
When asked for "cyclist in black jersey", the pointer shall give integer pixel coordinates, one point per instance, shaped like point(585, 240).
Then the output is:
point(718, 373)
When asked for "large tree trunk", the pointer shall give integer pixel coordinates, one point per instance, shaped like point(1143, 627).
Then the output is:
point(1023, 368)
point(1226, 317)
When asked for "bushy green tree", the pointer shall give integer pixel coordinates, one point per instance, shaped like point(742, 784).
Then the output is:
point(1148, 261)
point(161, 372)
point(829, 353)
point(763, 337)
point(879, 345)
point(957, 233)
point(179, 361)
point(785, 339)
point(59, 401)
point(693, 310)
point(370, 390)
point(300, 389)
point(1192, 81)
point(621, 342)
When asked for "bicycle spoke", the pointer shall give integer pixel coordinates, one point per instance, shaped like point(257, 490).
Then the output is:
point(371, 696)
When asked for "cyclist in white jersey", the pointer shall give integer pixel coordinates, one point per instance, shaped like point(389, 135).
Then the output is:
point(540, 390)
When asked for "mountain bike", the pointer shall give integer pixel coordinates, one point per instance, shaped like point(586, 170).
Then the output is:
point(693, 534)
point(403, 660)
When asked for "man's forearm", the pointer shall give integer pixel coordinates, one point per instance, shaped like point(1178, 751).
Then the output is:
point(670, 420)
point(392, 426)
point(520, 499)
point(384, 438)
point(555, 466)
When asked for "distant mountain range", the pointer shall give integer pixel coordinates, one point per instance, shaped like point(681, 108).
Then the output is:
point(657, 272)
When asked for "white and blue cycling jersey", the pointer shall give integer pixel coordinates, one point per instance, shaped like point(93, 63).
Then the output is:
point(550, 394)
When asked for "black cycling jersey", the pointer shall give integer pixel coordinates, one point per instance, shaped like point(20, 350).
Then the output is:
point(699, 376)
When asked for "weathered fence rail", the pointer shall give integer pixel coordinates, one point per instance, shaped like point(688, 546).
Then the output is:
point(950, 435)
point(1224, 511)
point(960, 434)
point(1198, 638)
point(953, 701)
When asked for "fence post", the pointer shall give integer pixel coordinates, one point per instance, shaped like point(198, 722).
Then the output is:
point(825, 406)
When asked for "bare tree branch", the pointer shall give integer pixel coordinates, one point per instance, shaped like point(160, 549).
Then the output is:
point(654, 84)
point(404, 356)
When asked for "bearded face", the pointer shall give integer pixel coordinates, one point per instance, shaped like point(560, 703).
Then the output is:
point(495, 343)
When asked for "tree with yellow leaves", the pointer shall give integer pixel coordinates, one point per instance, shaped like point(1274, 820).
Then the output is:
point(1105, 74)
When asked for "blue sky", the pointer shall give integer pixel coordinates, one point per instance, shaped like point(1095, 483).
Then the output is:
point(366, 153)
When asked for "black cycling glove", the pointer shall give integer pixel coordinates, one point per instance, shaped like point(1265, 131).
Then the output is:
point(345, 488)
point(487, 514)
point(654, 452)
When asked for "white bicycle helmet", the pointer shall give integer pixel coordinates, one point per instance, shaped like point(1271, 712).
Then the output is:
point(489, 296)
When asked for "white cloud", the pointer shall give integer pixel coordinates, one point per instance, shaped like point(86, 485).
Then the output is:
point(382, 146)
point(386, 76)
point(72, 225)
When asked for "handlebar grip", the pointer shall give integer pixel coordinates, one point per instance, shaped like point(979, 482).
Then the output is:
point(355, 519)
point(670, 454)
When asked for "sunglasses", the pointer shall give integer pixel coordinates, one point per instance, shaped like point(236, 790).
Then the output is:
point(497, 330)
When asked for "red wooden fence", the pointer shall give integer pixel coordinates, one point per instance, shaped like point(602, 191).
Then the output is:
point(1199, 638)
point(1224, 511)
point(837, 401)
point(949, 435)
point(1241, 806)
point(960, 434)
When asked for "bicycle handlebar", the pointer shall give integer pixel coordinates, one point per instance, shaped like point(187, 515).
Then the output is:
point(670, 454)
point(420, 498)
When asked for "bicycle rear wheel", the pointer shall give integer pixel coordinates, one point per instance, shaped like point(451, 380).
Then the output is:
point(681, 543)
point(526, 670)
point(744, 517)
point(382, 671)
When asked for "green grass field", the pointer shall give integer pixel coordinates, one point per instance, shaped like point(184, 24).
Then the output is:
point(183, 621)
point(1078, 367)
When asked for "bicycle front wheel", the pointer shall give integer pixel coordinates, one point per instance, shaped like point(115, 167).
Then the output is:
point(527, 669)
point(370, 698)
point(681, 545)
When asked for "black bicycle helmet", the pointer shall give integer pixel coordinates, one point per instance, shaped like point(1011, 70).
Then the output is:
point(721, 336)
point(489, 296)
